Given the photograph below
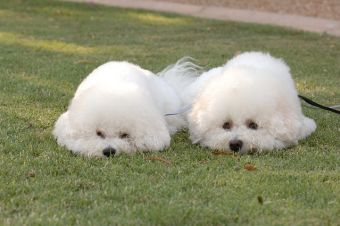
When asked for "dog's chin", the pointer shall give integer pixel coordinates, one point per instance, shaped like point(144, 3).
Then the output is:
point(253, 151)
point(246, 151)
point(243, 151)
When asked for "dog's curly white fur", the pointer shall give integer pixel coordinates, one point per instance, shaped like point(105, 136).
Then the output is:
point(118, 108)
point(249, 104)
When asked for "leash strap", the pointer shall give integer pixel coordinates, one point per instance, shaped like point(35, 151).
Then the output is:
point(309, 101)
point(181, 111)
point(336, 107)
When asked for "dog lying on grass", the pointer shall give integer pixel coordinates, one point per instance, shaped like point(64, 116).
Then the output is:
point(119, 107)
point(249, 104)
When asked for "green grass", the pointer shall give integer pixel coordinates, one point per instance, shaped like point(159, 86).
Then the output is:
point(47, 48)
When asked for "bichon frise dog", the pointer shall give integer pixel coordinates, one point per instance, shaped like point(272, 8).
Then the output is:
point(249, 104)
point(119, 107)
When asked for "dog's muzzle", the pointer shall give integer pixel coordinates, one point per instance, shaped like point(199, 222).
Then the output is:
point(109, 152)
point(235, 145)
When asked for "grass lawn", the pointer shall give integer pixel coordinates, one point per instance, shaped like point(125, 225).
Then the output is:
point(47, 48)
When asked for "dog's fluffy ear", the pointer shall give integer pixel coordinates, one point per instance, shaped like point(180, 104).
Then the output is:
point(62, 130)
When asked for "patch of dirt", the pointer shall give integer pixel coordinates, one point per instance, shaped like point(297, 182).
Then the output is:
point(329, 9)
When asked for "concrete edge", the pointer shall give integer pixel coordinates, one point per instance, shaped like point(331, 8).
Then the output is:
point(311, 24)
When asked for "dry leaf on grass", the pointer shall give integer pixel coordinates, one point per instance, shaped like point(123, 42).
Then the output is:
point(155, 158)
point(30, 174)
point(249, 167)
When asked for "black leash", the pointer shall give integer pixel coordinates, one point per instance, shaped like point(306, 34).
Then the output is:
point(309, 101)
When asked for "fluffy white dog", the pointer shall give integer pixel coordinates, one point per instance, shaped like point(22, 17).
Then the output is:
point(249, 104)
point(119, 107)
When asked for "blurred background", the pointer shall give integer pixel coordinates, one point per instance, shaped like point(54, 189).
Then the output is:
point(329, 9)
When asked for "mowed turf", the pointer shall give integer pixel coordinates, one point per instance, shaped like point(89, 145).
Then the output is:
point(47, 48)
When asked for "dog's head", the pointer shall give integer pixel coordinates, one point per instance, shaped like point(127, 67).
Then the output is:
point(108, 122)
point(245, 110)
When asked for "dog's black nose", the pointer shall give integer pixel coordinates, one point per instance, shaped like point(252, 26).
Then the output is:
point(235, 145)
point(109, 152)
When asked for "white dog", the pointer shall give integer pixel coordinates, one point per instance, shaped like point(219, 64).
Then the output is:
point(118, 108)
point(249, 104)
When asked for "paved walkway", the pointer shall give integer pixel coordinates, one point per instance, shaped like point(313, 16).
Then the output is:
point(312, 24)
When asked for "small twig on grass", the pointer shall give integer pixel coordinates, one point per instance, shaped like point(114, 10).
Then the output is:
point(260, 199)
point(156, 158)
point(203, 162)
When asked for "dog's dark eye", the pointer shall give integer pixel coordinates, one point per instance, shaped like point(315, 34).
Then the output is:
point(100, 134)
point(252, 125)
point(227, 125)
point(124, 135)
